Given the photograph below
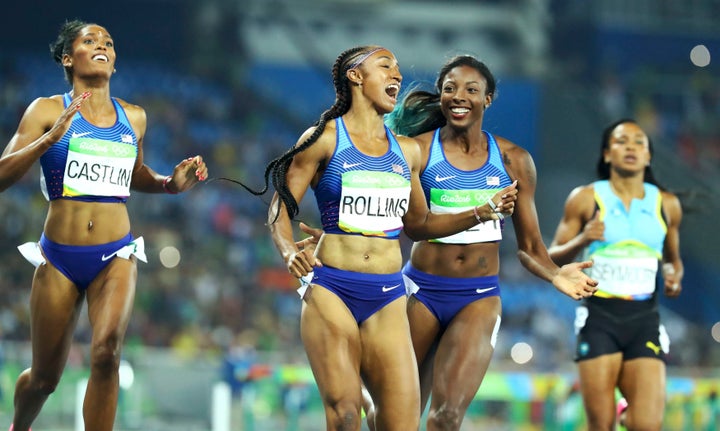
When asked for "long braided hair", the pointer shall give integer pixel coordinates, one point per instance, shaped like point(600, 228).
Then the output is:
point(420, 111)
point(276, 170)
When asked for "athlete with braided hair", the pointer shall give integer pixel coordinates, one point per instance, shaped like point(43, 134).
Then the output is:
point(353, 324)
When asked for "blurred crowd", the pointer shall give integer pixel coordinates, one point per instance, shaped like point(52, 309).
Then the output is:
point(684, 114)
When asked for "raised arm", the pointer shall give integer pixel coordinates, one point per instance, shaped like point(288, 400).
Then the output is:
point(579, 226)
point(43, 124)
point(421, 224)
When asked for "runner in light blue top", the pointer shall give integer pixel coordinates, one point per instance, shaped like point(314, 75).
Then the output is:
point(629, 227)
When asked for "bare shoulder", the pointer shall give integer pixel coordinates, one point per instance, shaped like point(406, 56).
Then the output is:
point(411, 148)
point(582, 193)
point(48, 108)
point(511, 150)
point(518, 161)
point(671, 205)
point(323, 147)
point(424, 140)
point(669, 197)
point(134, 112)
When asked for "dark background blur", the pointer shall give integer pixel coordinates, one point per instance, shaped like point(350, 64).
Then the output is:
point(238, 81)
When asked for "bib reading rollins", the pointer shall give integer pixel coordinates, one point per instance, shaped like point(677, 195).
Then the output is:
point(373, 203)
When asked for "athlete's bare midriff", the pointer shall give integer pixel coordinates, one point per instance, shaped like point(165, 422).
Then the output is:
point(457, 260)
point(86, 223)
point(360, 253)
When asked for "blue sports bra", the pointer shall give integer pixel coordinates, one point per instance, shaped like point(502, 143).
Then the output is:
point(90, 163)
point(363, 195)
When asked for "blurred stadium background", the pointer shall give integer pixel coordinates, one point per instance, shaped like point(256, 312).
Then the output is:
point(238, 81)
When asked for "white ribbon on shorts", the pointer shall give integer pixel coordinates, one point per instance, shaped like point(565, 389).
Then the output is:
point(305, 281)
point(32, 253)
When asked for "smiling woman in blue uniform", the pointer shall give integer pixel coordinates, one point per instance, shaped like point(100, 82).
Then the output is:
point(353, 325)
point(454, 308)
point(628, 226)
point(90, 147)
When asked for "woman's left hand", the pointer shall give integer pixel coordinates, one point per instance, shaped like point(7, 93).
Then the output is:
point(188, 173)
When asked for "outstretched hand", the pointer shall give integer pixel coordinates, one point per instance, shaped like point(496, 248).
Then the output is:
point(188, 173)
point(573, 282)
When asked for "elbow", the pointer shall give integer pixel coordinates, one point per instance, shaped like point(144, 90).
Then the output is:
point(524, 258)
point(414, 233)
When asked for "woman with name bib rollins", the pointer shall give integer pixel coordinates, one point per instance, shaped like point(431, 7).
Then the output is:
point(90, 147)
point(365, 180)
point(627, 225)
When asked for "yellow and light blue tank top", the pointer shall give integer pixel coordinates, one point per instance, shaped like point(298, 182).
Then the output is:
point(90, 163)
point(626, 263)
point(451, 190)
point(363, 195)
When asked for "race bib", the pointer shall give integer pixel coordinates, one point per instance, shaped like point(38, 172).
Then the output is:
point(626, 270)
point(455, 201)
point(96, 167)
point(373, 203)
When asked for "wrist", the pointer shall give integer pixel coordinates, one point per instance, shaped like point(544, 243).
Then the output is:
point(477, 215)
point(166, 186)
